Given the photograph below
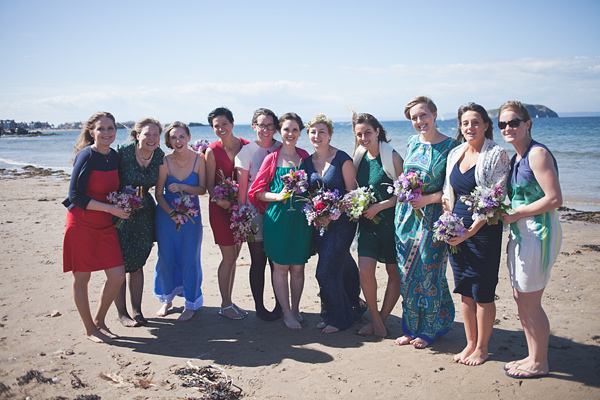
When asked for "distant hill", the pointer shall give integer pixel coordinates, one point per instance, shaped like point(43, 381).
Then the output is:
point(535, 111)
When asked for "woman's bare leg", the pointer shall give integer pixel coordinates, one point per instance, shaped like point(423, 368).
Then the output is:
point(468, 308)
point(82, 302)
point(114, 279)
point(486, 315)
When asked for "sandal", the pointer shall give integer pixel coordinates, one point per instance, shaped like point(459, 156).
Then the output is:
point(239, 310)
point(231, 307)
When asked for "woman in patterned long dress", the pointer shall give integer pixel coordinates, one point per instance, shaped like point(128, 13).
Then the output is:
point(478, 162)
point(138, 167)
point(535, 234)
point(337, 273)
point(91, 242)
point(427, 307)
point(219, 163)
point(178, 270)
point(377, 165)
point(247, 164)
point(287, 236)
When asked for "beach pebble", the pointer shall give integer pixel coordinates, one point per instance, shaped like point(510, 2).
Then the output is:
point(54, 313)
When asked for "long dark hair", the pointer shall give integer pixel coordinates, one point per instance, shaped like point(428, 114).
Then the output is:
point(489, 132)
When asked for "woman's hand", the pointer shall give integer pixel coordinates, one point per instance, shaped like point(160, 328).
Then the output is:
point(223, 204)
point(456, 240)
point(119, 212)
point(372, 211)
point(509, 218)
point(175, 187)
point(422, 202)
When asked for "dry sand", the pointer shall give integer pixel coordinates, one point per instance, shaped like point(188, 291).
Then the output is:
point(41, 330)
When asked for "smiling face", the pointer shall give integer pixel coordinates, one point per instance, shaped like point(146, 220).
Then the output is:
point(179, 139)
point(472, 127)
point(514, 135)
point(104, 132)
point(290, 131)
point(319, 135)
point(366, 136)
point(149, 137)
point(222, 127)
point(423, 120)
point(265, 129)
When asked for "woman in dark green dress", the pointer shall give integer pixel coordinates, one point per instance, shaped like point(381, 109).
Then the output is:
point(377, 165)
point(138, 167)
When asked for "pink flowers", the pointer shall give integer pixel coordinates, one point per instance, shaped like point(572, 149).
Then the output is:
point(322, 207)
point(295, 182)
point(487, 203)
point(241, 223)
point(408, 188)
point(184, 208)
point(127, 199)
point(448, 226)
point(226, 190)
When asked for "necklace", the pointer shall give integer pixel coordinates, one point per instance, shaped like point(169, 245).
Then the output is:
point(186, 163)
point(143, 160)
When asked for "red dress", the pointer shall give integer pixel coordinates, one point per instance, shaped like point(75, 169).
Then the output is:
point(218, 216)
point(91, 242)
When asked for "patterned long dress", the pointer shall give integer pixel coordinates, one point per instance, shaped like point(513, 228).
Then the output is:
point(427, 307)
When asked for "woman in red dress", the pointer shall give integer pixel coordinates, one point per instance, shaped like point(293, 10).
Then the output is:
point(220, 156)
point(91, 242)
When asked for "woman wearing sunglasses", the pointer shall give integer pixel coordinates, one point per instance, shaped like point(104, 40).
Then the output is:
point(478, 162)
point(535, 234)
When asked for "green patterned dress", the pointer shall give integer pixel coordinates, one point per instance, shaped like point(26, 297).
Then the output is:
point(427, 307)
point(137, 235)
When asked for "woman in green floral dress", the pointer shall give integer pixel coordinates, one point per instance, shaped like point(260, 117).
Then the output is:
point(138, 167)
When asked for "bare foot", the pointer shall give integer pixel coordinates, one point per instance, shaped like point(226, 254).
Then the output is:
point(366, 330)
point(185, 315)
point(528, 370)
point(401, 341)
point(104, 329)
point(477, 357)
point(291, 322)
point(128, 322)
point(298, 316)
point(515, 363)
point(98, 337)
point(330, 329)
point(240, 311)
point(458, 358)
point(321, 325)
point(164, 310)
point(140, 319)
point(419, 343)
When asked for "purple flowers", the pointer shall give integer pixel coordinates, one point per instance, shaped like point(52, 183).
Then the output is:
point(322, 207)
point(184, 207)
point(127, 199)
point(407, 188)
point(241, 223)
point(226, 190)
point(200, 146)
point(487, 203)
point(295, 183)
point(448, 226)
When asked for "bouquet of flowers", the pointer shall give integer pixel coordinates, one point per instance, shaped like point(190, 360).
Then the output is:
point(127, 199)
point(200, 145)
point(408, 188)
point(322, 207)
point(241, 223)
point(184, 208)
point(356, 201)
point(227, 189)
point(295, 183)
point(487, 203)
point(448, 226)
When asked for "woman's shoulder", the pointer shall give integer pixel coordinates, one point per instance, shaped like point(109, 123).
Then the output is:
point(342, 156)
point(125, 147)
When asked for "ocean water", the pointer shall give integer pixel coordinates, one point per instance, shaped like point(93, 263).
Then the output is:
point(575, 142)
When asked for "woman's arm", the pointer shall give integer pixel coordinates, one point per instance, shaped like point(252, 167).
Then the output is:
point(211, 170)
point(374, 209)
point(163, 173)
point(242, 177)
point(473, 229)
point(542, 165)
point(198, 190)
point(349, 174)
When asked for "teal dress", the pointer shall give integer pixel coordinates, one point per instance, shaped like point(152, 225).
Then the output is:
point(427, 307)
point(288, 238)
point(136, 235)
point(376, 240)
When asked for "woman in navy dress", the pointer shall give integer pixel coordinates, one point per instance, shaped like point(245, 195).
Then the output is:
point(178, 269)
point(479, 161)
point(337, 273)
point(90, 241)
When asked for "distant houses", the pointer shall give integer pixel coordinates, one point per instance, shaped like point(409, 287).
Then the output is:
point(9, 125)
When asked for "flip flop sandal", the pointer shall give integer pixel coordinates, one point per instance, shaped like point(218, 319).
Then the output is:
point(231, 307)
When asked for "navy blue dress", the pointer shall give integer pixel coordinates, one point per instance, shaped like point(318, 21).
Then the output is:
point(337, 273)
point(475, 265)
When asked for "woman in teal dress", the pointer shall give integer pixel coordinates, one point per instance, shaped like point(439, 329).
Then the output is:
point(427, 307)
point(286, 234)
point(377, 164)
point(138, 167)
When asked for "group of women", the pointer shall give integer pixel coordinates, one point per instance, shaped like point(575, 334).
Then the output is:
point(389, 232)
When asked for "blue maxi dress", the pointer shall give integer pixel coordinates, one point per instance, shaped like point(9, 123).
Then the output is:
point(178, 270)
point(337, 272)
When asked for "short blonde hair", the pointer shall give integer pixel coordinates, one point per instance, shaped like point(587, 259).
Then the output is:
point(176, 124)
point(320, 119)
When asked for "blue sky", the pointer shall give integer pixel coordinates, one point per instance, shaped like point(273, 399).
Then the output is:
point(64, 60)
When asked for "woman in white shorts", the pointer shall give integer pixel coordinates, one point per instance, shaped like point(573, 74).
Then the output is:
point(535, 234)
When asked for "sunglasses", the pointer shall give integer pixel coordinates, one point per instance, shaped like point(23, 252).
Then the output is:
point(513, 123)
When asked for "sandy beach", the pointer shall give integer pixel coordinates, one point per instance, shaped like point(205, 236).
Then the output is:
point(40, 329)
